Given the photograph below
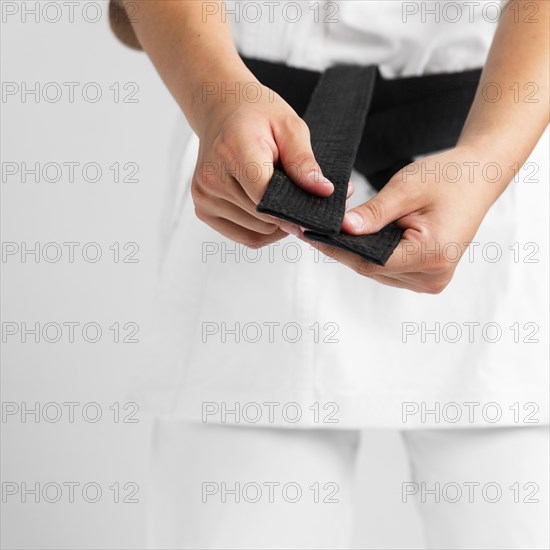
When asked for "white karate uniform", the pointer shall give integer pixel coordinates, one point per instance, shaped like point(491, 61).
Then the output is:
point(324, 350)
point(314, 331)
point(223, 487)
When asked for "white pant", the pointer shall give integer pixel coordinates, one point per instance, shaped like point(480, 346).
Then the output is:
point(222, 487)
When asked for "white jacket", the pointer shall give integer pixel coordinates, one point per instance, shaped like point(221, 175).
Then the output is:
point(315, 337)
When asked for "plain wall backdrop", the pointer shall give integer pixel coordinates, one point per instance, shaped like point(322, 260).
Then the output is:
point(65, 125)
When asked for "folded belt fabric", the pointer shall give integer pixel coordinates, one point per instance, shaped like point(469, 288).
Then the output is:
point(358, 119)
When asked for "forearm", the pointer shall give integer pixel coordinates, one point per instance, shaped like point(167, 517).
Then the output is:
point(511, 108)
point(189, 47)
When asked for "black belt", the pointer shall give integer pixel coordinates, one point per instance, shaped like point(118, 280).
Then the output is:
point(359, 119)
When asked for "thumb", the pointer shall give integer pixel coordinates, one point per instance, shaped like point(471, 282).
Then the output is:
point(390, 204)
point(296, 155)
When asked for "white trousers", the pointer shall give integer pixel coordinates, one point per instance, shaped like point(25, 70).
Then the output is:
point(227, 487)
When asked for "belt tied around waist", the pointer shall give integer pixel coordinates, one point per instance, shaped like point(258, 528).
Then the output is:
point(357, 119)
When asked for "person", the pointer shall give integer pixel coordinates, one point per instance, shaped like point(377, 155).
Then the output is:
point(273, 352)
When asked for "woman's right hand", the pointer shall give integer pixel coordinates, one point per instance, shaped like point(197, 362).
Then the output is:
point(191, 46)
point(240, 142)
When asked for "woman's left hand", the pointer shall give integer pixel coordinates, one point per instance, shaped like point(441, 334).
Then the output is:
point(440, 202)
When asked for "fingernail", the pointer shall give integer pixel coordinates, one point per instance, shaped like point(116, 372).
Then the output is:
point(317, 177)
point(291, 229)
point(355, 220)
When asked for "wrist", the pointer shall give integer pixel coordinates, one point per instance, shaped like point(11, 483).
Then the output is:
point(488, 170)
point(217, 91)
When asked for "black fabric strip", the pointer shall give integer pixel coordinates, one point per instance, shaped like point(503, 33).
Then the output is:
point(336, 118)
point(294, 85)
point(406, 117)
point(376, 248)
point(414, 116)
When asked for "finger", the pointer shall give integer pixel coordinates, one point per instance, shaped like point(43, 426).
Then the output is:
point(397, 265)
point(296, 155)
point(355, 262)
point(292, 229)
point(397, 283)
point(416, 255)
point(254, 168)
point(241, 200)
point(391, 203)
point(241, 235)
point(428, 265)
point(351, 189)
point(368, 269)
point(238, 196)
point(209, 193)
point(224, 209)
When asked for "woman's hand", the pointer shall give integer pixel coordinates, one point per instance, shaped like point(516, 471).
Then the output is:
point(240, 142)
point(440, 202)
point(192, 48)
point(439, 211)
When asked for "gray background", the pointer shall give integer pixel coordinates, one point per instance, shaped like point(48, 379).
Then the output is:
point(104, 292)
